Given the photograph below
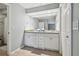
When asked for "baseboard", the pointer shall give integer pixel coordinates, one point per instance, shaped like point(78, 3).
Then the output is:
point(10, 53)
point(22, 46)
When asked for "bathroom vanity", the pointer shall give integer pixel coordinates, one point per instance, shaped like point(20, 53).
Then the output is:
point(42, 40)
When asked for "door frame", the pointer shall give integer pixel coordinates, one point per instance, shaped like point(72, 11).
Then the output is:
point(71, 27)
point(8, 19)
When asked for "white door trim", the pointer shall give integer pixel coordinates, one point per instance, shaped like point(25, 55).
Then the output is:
point(8, 19)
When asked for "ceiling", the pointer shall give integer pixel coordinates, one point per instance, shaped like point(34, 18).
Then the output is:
point(32, 5)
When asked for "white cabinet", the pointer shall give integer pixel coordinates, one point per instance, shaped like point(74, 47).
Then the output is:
point(26, 39)
point(42, 40)
point(47, 43)
point(31, 39)
point(36, 42)
point(51, 42)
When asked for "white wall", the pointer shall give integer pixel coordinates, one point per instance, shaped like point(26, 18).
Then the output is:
point(16, 26)
point(30, 23)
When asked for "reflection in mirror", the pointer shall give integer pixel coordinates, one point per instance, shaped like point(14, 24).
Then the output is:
point(46, 23)
point(52, 23)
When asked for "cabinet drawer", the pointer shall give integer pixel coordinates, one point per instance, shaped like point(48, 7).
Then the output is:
point(52, 35)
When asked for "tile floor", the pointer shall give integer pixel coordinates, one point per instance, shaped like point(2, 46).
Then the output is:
point(28, 51)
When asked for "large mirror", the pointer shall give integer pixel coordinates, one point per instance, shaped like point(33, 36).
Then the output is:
point(46, 23)
point(46, 20)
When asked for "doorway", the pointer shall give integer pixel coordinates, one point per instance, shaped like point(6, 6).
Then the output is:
point(3, 29)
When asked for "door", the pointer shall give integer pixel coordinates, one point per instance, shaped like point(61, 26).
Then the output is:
point(68, 31)
point(66, 42)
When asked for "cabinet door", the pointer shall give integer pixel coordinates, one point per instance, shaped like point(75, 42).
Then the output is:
point(36, 41)
point(51, 43)
point(47, 43)
point(41, 41)
point(29, 39)
point(26, 39)
point(32, 40)
point(54, 43)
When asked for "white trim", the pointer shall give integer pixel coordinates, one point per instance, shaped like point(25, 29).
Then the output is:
point(8, 43)
point(10, 53)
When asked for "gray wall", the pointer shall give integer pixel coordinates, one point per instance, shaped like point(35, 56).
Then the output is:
point(41, 8)
point(75, 32)
point(16, 26)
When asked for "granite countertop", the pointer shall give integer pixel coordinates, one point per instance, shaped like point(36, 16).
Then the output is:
point(46, 31)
